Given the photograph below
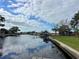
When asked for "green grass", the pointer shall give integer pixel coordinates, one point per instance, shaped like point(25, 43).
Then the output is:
point(72, 41)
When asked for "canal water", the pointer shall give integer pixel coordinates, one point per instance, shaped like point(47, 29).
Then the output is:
point(29, 47)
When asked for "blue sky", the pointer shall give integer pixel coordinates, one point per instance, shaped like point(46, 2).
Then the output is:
point(37, 14)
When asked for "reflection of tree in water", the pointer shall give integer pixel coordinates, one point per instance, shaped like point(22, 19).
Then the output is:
point(1, 44)
point(45, 36)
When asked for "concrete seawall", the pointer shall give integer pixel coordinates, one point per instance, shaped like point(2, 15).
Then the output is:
point(68, 50)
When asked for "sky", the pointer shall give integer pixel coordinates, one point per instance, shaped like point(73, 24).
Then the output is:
point(37, 15)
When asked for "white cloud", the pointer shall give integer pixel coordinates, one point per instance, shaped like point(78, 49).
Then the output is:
point(50, 10)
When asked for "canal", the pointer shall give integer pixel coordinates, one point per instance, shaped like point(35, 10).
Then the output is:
point(28, 47)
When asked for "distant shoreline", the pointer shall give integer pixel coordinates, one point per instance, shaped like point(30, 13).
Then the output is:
point(5, 35)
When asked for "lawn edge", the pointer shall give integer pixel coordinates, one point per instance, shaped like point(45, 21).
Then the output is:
point(70, 51)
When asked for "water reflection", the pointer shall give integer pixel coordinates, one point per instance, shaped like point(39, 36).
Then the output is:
point(1, 45)
point(27, 47)
point(1, 42)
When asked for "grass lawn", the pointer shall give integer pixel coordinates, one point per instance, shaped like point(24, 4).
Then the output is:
point(72, 41)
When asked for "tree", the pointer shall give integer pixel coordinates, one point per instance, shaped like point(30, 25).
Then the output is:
point(3, 31)
point(75, 22)
point(14, 30)
point(64, 30)
point(56, 29)
point(2, 19)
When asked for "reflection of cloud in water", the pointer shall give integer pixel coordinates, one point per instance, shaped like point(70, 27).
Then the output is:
point(30, 46)
point(8, 56)
point(38, 48)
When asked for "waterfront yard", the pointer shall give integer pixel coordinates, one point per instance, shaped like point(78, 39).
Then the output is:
point(72, 41)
